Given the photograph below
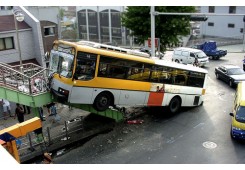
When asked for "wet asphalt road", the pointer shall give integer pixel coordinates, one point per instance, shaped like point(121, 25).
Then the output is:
point(199, 135)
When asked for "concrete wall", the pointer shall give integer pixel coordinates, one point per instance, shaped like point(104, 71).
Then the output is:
point(45, 13)
point(36, 35)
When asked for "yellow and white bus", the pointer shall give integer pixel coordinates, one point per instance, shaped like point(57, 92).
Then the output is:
point(102, 75)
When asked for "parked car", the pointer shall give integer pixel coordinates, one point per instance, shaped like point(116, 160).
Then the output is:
point(145, 50)
point(148, 51)
point(230, 74)
point(189, 55)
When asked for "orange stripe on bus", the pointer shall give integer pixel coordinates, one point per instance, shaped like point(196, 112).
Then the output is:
point(155, 99)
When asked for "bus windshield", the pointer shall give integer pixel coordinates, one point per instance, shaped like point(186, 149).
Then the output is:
point(61, 63)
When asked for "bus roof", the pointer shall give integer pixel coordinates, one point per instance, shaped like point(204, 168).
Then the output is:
point(108, 50)
point(188, 49)
point(180, 66)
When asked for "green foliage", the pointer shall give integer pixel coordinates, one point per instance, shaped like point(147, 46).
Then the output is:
point(61, 13)
point(167, 27)
point(69, 34)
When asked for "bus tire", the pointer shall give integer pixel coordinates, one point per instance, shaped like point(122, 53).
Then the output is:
point(102, 101)
point(175, 104)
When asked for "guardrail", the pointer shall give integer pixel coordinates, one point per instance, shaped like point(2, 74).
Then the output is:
point(32, 80)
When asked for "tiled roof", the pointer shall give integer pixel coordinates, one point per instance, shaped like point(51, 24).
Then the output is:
point(7, 23)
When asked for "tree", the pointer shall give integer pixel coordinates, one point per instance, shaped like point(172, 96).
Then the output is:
point(167, 27)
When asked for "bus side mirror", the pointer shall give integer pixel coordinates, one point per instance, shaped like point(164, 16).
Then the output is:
point(232, 114)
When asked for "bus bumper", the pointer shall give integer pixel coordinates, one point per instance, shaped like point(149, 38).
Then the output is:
point(60, 97)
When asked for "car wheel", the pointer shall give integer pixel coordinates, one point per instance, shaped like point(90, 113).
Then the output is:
point(102, 101)
point(217, 75)
point(230, 83)
point(177, 61)
point(175, 105)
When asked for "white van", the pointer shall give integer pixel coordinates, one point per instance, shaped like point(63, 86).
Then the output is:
point(187, 56)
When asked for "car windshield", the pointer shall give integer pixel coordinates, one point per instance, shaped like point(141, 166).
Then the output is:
point(240, 114)
point(201, 55)
point(61, 63)
point(235, 71)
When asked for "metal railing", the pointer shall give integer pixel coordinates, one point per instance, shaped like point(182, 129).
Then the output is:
point(59, 132)
point(32, 80)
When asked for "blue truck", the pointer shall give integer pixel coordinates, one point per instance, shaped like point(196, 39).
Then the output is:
point(210, 49)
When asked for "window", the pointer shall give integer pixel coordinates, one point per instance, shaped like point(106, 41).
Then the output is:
point(232, 10)
point(133, 70)
point(91, 14)
point(231, 25)
point(6, 43)
point(241, 30)
point(105, 30)
point(86, 64)
point(116, 30)
point(211, 24)
point(123, 69)
point(211, 9)
point(83, 14)
point(49, 31)
point(84, 28)
point(185, 53)
point(192, 54)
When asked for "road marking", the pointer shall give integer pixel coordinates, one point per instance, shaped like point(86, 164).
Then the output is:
point(200, 124)
point(209, 145)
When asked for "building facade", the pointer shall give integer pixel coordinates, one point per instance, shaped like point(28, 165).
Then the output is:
point(102, 24)
point(36, 34)
point(223, 25)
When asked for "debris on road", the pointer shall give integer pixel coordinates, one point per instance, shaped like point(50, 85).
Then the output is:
point(139, 121)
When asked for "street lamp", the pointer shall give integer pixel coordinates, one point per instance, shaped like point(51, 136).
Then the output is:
point(18, 16)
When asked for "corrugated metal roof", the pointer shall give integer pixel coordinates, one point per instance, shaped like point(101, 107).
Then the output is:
point(7, 23)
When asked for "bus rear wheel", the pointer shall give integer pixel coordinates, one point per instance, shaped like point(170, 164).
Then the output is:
point(175, 105)
point(102, 101)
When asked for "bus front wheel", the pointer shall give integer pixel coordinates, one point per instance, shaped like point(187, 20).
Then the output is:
point(175, 104)
point(102, 101)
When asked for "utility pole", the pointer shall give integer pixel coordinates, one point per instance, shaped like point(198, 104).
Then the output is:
point(152, 31)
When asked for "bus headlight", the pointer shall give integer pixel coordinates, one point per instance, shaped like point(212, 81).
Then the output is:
point(63, 92)
point(235, 128)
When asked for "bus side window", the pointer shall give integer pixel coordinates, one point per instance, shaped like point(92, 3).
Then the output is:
point(85, 69)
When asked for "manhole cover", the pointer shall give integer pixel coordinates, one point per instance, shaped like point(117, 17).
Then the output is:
point(209, 145)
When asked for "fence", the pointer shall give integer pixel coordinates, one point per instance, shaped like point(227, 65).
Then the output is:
point(50, 138)
point(32, 79)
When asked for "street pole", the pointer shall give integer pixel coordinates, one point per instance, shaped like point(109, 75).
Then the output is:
point(152, 31)
point(243, 34)
point(18, 43)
